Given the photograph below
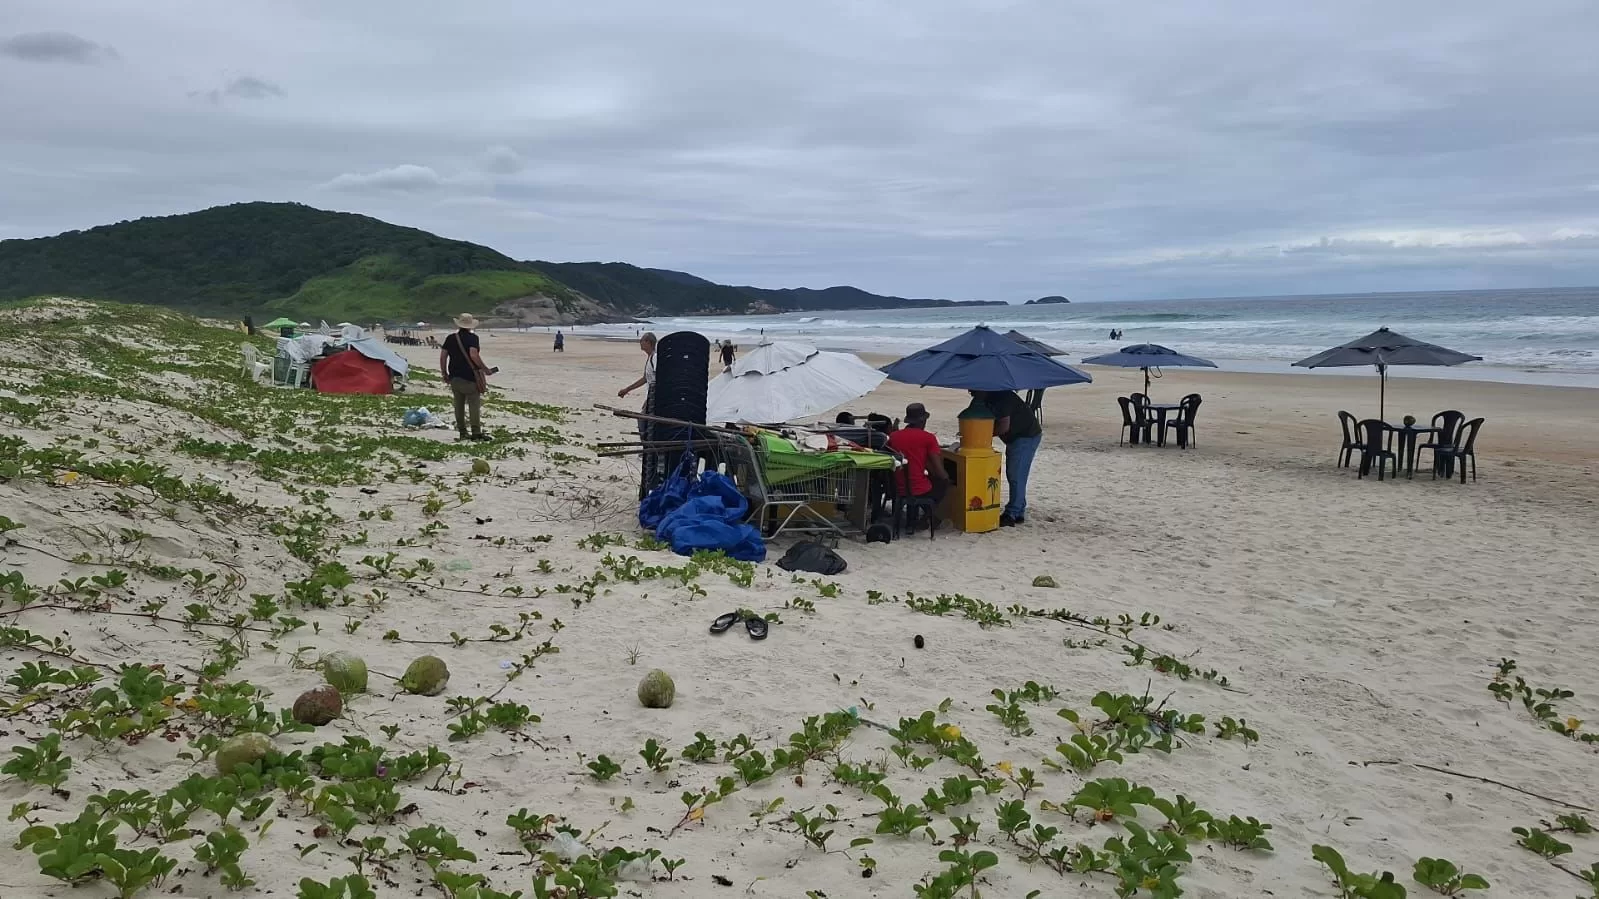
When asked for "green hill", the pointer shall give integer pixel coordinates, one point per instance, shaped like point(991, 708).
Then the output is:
point(267, 259)
point(647, 291)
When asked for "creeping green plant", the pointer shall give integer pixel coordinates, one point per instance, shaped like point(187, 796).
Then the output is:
point(1446, 879)
point(1356, 886)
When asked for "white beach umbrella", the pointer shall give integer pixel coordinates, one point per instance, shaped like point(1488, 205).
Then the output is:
point(781, 381)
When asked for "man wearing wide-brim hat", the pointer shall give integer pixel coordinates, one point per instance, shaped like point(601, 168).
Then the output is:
point(463, 369)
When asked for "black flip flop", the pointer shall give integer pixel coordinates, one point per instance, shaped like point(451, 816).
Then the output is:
point(723, 622)
point(756, 627)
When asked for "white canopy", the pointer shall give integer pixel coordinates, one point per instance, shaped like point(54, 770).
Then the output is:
point(781, 381)
point(307, 347)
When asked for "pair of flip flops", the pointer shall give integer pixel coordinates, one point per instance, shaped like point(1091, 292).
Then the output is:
point(755, 624)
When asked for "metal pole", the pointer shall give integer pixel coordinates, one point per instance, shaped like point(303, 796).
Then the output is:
point(1382, 392)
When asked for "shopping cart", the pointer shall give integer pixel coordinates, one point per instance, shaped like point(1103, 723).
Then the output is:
point(792, 491)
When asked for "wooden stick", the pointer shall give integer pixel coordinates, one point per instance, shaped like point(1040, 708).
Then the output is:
point(662, 448)
point(629, 413)
point(1487, 780)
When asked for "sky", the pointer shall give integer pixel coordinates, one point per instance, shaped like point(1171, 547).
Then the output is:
point(971, 150)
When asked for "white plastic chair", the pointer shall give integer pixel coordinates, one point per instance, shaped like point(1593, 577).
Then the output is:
point(255, 371)
point(296, 373)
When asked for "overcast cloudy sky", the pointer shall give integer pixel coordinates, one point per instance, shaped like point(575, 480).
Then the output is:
point(981, 149)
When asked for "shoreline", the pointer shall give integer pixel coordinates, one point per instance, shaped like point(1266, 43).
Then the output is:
point(1474, 372)
point(1266, 415)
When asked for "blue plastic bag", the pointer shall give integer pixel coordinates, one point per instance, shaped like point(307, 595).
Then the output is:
point(740, 541)
point(663, 500)
point(691, 514)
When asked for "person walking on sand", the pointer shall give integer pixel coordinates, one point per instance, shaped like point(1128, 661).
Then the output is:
point(646, 343)
point(729, 353)
point(560, 342)
point(1016, 425)
point(463, 369)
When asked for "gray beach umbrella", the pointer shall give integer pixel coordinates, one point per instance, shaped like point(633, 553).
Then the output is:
point(1147, 356)
point(1383, 348)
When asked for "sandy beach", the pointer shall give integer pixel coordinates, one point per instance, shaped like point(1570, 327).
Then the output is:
point(1357, 624)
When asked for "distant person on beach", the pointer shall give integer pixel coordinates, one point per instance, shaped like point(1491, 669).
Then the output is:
point(729, 353)
point(560, 342)
point(646, 343)
point(1016, 425)
point(923, 474)
point(462, 366)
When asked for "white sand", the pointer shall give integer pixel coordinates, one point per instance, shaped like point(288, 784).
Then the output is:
point(1358, 624)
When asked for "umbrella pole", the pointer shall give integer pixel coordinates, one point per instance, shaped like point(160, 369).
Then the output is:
point(1146, 381)
point(1382, 392)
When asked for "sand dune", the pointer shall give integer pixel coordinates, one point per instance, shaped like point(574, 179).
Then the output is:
point(1357, 625)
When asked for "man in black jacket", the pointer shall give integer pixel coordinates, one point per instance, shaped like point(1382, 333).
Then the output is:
point(1017, 426)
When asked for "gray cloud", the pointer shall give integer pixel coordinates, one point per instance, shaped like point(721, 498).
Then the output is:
point(502, 160)
point(245, 87)
point(402, 178)
point(1007, 149)
point(55, 46)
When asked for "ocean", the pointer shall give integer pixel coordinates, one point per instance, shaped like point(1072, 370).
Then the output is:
point(1542, 336)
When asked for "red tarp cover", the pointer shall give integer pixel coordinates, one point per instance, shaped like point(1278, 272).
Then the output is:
point(350, 372)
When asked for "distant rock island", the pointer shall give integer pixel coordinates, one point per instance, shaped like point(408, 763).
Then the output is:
point(1046, 301)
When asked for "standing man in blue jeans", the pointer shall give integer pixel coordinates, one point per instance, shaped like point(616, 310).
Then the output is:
point(1016, 425)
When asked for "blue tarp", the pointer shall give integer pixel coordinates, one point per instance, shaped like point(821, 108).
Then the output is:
point(691, 514)
point(981, 359)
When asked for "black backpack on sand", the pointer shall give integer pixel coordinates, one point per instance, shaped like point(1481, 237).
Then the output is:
point(808, 555)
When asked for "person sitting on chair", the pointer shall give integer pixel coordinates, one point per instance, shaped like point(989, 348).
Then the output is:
point(923, 475)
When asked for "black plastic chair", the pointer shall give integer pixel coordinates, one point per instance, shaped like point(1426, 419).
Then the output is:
point(1188, 409)
point(1374, 444)
point(915, 508)
point(1351, 428)
point(1465, 450)
point(1448, 425)
point(1140, 404)
point(1134, 421)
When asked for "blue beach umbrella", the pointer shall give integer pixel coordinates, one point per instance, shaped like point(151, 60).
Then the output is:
point(1147, 356)
point(981, 359)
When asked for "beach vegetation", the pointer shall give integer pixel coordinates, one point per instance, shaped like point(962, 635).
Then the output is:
point(1590, 876)
point(1445, 878)
point(1227, 728)
point(1540, 842)
point(603, 768)
point(1110, 799)
point(1353, 885)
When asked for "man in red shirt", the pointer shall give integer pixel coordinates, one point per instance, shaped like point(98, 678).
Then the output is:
point(923, 474)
